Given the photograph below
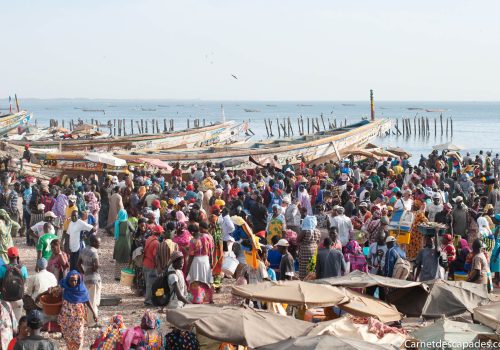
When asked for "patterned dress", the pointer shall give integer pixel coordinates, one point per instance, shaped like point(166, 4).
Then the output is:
point(417, 239)
point(200, 274)
point(307, 249)
point(275, 227)
point(72, 321)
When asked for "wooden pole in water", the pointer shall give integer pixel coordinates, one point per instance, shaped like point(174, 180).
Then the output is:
point(435, 127)
point(271, 127)
point(308, 128)
point(267, 130)
point(132, 126)
point(146, 126)
point(157, 126)
point(323, 121)
point(114, 127)
point(418, 121)
point(298, 123)
point(415, 125)
point(372, 106)
point(142, 127)
point(441, 120)
point(446, 126)
point(302, 125)
point(451, 126)
point(188, 123)
point(278, 125)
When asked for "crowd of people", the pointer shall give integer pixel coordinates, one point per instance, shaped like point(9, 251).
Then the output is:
point(278, 222)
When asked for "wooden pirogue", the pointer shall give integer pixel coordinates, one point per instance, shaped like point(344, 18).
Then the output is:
point(218, 133)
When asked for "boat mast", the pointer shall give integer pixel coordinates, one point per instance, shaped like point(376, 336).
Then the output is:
point(372, 106)
point(223, 115)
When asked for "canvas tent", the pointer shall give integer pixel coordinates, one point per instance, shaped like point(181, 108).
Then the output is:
point(489, 315)
point(238, 325)
point(359, 279)
point(444, 298)
point(321, 342)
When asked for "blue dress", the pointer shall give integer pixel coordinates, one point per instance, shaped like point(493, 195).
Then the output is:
point(495, 263)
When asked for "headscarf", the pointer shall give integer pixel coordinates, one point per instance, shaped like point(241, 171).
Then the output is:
point(464, 244)
point(180, 217)
point(122, 216)
point(141, 191)
point(163, 206)
point(77, 294)
point(150, 321)
point(353, 247)
point(60, 205)
point(93, 204)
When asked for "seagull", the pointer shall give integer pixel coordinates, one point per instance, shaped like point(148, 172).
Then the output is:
point(234, 76)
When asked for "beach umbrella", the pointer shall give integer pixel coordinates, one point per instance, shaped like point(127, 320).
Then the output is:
point(363, 305)
point(448, 331)
point(238, 325)
point(323, 342)
point(297, 293)
point(443, 298)
point(448, 146)
point(489, 315)
point(105, 158)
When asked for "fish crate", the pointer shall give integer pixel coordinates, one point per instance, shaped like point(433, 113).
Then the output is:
point(402, 237)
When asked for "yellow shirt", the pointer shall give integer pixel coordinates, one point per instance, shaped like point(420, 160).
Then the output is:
point(398, 169)
point(69, 210)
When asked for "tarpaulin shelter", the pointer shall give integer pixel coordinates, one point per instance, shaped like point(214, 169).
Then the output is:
point(489, 315)
point(360, 279)
point(238, 325)
point(105, 158)
point(444, 298)
point(322, 342)
point(297, 293)
point(451, 332)
point(363, 305)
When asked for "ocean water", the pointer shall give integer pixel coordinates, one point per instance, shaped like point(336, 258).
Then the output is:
point(476, 125)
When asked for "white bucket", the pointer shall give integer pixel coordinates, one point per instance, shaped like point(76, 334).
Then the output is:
point(229, 265)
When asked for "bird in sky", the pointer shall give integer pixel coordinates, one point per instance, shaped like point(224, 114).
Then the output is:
point(234, 76)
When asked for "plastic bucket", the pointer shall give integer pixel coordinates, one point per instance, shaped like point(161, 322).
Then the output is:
point(127, 278)
point(460, 276)
point(51, 306)
point(229, 265)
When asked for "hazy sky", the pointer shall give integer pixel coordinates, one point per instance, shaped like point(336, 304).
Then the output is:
point(281, 50)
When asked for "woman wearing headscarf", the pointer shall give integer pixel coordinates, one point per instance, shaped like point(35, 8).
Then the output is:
point(354, 256)
point(145, 336)
point(463, 250)
point(6, 225)
point(218, 254)
point(93, 206)
point(276, 224)
point(60, 205)
point(123, 243)
point(495, 253)
point(110, 337)
point(480, 269)
point(200, 279)
point(307, 240)
point(417, 239)
point(182, 238)
point(72, 316)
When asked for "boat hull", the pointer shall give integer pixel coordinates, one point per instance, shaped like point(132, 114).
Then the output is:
point(12, 121)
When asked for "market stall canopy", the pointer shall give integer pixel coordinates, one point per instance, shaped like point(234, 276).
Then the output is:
point(360, 279)
point(363, 305)
point(238, 325)
point(444, 298)
point(451, 332)
point(296, 293)
point(345, 327)
point(489, 315)
point(448, 146)
point(105, 158)
point(160, 164)
point(322, 342)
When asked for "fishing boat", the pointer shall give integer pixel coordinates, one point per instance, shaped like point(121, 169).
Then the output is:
point(219, 133)
point(249, 155)
point(13, 120)
point(250, 110)
point(435, 110)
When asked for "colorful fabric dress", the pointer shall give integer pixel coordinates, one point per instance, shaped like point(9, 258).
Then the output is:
point(6, 225)
point(354, 256)
point(495, 256)
point(181, 340)
point(307, 250)
point(275, 227)
point(182, 241)
point(417, 239)
point(200, 275)
point(123, 243)
point(110, 337)
point(218, 252)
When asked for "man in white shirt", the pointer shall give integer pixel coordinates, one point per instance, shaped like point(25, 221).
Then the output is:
point(343, 225)
point(435, 207)
point(405, 203)
point(227, 228)
point(75, 227)
point(41, 281)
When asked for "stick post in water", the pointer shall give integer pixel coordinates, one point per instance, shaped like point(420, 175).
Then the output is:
point(372, 106)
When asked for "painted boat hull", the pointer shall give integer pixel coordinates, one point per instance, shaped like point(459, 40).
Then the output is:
point(223, 133)
point(12, 121)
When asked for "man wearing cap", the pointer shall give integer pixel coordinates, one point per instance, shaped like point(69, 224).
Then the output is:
point(69, 209)
point(38, 283)
point(13, 254)
point(287, 270)
point(444, 216)
point(75, 227)
point(43, 243)
point(392, 255)
point(35, 341)
point(435, 207)
point(37, 230)
point(343, 225)
point(88, 265)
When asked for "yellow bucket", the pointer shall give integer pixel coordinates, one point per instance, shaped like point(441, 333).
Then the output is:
point(402, 237)
point(127, 278)
point(460, 276)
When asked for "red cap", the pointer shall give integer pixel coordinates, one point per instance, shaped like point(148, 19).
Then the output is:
point(13, 252)
point(156, 204)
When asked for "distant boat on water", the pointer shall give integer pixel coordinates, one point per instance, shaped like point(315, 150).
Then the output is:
point(163, 106)
point(249, 110)
point(414, 109)
point(435, 110)
point(348, 104)
point(148, 109)
point(271, 106)
point(94, 110)
point(303, 105)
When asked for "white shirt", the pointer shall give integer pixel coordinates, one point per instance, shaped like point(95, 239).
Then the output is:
point(402, 204)
point(74, 230)
point(173, 278)
point(344, 225)
point(226, 226)
point(433, 209)
point(40, 282)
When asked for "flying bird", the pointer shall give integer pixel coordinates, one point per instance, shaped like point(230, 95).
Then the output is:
point(234, 76)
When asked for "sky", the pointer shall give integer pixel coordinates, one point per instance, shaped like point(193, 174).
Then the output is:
point(278, 50)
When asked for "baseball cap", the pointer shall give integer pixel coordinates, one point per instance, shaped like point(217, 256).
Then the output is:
point(13, 252)
point(390, 239)
point(72, 198)
point(282, 243)
point(50, 214)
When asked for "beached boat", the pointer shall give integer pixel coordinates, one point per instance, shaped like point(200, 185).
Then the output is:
point(309, 147)
point(220, 133)
point(12, 121)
